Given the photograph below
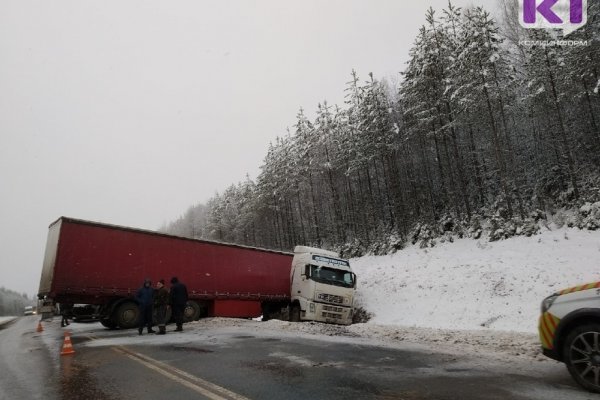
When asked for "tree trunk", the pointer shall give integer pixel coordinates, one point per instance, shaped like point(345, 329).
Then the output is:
point(563, 133)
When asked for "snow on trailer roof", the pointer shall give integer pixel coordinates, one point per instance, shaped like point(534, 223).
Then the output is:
point(155, 233)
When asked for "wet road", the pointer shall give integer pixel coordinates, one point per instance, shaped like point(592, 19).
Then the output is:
point(207, 362)
point(26, 368)
point(257, 367)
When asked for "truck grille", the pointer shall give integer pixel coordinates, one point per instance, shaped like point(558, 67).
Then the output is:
point(331, 315)
point(332, 308)
point(330, 298)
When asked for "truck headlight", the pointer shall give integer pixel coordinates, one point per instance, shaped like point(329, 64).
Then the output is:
point(547, 302)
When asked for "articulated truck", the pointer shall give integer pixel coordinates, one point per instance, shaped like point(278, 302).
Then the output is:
point(100, 267)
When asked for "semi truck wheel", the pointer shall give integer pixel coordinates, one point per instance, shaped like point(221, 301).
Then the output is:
point(266, 312)
point(191, 312)
point(108, 323)
point(582, 356)
point(295, 313)
point(127, 315)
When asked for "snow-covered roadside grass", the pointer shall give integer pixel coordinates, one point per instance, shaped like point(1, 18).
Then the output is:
point(475, 284)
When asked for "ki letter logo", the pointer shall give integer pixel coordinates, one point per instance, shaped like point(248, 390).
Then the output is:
point(568, 15)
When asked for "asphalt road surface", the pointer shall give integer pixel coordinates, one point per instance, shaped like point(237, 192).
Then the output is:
point(26, 368)
point(239, 362)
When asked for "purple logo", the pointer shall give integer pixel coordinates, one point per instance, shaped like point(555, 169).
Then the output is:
point(567, 15)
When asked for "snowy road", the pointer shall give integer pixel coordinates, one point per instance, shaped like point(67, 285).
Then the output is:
point(241, 359)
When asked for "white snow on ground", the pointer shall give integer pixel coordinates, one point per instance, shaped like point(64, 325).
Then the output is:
point(5, 320)
point(475, 284)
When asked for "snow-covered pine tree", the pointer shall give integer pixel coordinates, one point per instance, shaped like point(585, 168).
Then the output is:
point(545, 76)
point(479, 63)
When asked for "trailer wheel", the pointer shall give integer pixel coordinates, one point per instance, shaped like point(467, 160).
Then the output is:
point(191, 312)
point(266, 312)
point(127, 315)
point(108, 323)
point(295, 313)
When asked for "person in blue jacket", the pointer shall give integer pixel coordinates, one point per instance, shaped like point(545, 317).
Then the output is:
point(145, 300)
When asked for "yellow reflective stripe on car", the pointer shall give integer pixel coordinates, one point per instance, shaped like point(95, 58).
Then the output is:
point(579, 288)
point(547, 329)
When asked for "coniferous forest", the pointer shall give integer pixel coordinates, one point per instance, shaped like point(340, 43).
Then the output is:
point(13, 303)
point(488, 132)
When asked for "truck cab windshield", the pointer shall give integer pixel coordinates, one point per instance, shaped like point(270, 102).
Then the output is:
point(331, 276)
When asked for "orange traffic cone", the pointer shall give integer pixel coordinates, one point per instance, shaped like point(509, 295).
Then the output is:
point(67, 346)
point(40, 328)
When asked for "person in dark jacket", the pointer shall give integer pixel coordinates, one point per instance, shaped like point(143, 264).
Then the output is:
point(145, 299)
point(161, 302)
point(179, 298)
point(66, 312)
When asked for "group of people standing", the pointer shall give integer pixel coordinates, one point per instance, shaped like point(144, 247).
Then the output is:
point(156, 301)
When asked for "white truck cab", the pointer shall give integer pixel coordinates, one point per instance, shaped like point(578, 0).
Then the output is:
point(569, 329)
point(322, 286)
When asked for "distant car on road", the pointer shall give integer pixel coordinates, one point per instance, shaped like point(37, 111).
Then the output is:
point(28, 311)
point(569, 329)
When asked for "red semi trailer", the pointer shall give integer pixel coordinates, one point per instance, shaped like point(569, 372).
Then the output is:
point(104, 265)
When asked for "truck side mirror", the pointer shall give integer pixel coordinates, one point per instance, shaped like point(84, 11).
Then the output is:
point(354, 279)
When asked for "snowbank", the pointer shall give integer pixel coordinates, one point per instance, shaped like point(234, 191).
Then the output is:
point(475, 284)
point(6, 320)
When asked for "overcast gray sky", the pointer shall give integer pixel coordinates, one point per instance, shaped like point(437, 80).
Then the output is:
point(129, 112)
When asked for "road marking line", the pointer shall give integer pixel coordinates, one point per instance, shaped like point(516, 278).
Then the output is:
point(196, 388)
point(199, 381)
point(163, 369)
